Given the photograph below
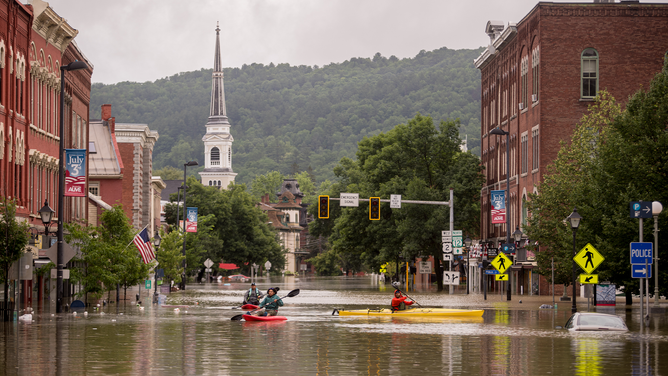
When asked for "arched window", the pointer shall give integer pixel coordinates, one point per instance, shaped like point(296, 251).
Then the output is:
point(525, 213)
point(589, 73)
point(219, 183)
point(215, 156)
point(209, 182)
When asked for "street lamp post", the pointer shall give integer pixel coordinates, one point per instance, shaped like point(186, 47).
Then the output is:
point(46, 213)
point(467, 243)
point(574, 220)
point(157, 239)
point(517, 236)
point(185, 166)
point(656, 210)
point(75, 65)
point(501, 132)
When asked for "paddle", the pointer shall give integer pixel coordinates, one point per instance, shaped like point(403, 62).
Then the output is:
point(396, 286)
point(290, 295)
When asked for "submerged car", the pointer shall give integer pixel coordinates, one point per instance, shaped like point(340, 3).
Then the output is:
point(238, 278)
point(593, 321)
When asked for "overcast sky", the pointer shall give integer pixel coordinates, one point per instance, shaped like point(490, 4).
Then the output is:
point(144, 40)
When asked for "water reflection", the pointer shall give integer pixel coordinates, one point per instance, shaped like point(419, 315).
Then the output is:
point(511, 338)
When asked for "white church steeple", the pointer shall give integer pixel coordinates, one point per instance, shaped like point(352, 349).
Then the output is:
point(217, 140)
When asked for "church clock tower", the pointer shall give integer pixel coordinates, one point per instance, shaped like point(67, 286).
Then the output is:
point(217, 140)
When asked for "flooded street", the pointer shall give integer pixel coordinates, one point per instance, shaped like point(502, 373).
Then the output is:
point(511, 338)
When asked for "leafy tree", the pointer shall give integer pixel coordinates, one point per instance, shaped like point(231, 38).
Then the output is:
point(169, 173)
point(306, 186)
point(169, 255)
point(14, 237)
point(268, 183)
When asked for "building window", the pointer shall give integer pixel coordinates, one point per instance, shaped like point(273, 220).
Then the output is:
point(535, 59)
point(215, 156)
point(525, 212)
point(534, 147)
point(524, 150)
point(524, 82)
point(91, 147)
point(589, 73)
point(94, 188)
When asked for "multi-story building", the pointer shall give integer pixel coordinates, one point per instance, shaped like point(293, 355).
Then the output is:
point(538, 77)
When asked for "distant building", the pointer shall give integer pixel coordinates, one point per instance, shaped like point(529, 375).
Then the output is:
point(217, 140)
point(121, 168)
point(537, 79)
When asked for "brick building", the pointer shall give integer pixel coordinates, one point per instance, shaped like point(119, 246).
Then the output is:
point(537, 79)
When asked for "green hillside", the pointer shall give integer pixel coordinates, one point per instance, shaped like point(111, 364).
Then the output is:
point(300, 118)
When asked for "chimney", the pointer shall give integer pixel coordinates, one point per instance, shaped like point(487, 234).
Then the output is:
point(106, 111)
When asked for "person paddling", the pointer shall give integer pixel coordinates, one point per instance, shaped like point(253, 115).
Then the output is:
point(269, 305)
point(253, 295)
point(399, 302)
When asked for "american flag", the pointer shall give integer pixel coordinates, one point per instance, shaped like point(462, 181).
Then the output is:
point(144, 246)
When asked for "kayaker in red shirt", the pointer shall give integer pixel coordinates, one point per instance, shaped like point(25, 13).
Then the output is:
point(399, 302)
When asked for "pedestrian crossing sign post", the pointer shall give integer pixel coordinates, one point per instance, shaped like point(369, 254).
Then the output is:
point(588, 258)
point(501, 263)
point(501, 277)
point(589, 279)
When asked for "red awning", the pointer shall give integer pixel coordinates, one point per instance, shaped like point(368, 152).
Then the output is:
point(225, 266)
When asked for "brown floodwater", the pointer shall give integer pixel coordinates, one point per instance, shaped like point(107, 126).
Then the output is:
point(511, 338)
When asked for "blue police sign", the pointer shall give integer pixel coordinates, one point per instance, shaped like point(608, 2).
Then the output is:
point(492, 271)
point(641, 271)
point(641, 252)
point(641, 209)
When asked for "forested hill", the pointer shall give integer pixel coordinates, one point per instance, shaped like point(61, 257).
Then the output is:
point(300, 118)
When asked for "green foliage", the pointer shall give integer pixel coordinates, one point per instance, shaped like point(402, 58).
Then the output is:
point(169, 173)
point(14, 238)
point(169, 255)
point(420, 162)
point(268, 183)
point(288, 118)
point(326, 263)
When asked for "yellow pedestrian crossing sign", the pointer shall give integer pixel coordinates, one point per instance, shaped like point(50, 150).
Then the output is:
point(501, 277)
point(501, 263)
point(588, 258)
point(588, 279)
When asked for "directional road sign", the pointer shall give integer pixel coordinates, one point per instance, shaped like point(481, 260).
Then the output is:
point(588, 258)
point(450, 278)
point(501, 277)
point(588, 279)
point(458, 251)
point(457, 241)
point(446, 233)
point(447, 257)
point(447, 248)
point(446, 239)
point(508, 248)
point(641, 271)
point(641, 252)
point(501, 263)
point(491, 272)
point(641, 209)
point(457, 233)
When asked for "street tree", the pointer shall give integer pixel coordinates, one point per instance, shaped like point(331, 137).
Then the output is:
point(14, 237)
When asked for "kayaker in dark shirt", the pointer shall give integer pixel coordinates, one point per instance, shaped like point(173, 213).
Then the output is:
point(399, 302)
point(270, 303)
point(253, 295)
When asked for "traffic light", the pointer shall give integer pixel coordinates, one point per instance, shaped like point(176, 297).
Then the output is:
point(323, 207)
point(374, 208)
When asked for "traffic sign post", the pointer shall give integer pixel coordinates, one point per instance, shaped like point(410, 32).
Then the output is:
point(641, 209)
point(447, 257)
point(447, 248)
point(641, 271)
point(588, 279)
point(491, 272)
point(641, 252)
point(508, 248)
point(588, 258)
point(501, 263)
point(501, 277)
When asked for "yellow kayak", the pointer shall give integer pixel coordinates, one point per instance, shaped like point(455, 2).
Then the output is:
point(412, 312)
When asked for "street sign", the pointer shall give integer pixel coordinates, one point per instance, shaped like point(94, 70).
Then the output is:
point(641, 209)
point(446, 233)
point(457, 241)
point(267, 265)
point(208, 270)
point(208, 263)
point(491, 272)
point(588, 279)
point(395, 201)
point(458, 251)
point(641, 252)
point(501, 263)
point(457, 233)
point(447, 257)
point(508, 248)
point(641, 271)
point(588, 258)
point(147, 283)
point(501, 277)
point(447, 248)
point(425, 267)
point(450, 278)
point(446, 239)
point(349, 199)
point(492, 252)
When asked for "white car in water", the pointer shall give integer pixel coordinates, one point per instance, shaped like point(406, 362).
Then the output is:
point(593, 321)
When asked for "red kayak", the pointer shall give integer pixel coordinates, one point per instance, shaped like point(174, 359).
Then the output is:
point(249, 306)
point(264, 318)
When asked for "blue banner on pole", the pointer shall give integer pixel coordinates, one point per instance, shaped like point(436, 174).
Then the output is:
point(191, 220)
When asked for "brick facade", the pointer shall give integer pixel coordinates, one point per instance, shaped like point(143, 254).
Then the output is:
point(542, 56)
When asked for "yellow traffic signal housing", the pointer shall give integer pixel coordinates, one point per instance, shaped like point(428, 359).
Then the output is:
point(374, 208)
point(323, 207)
